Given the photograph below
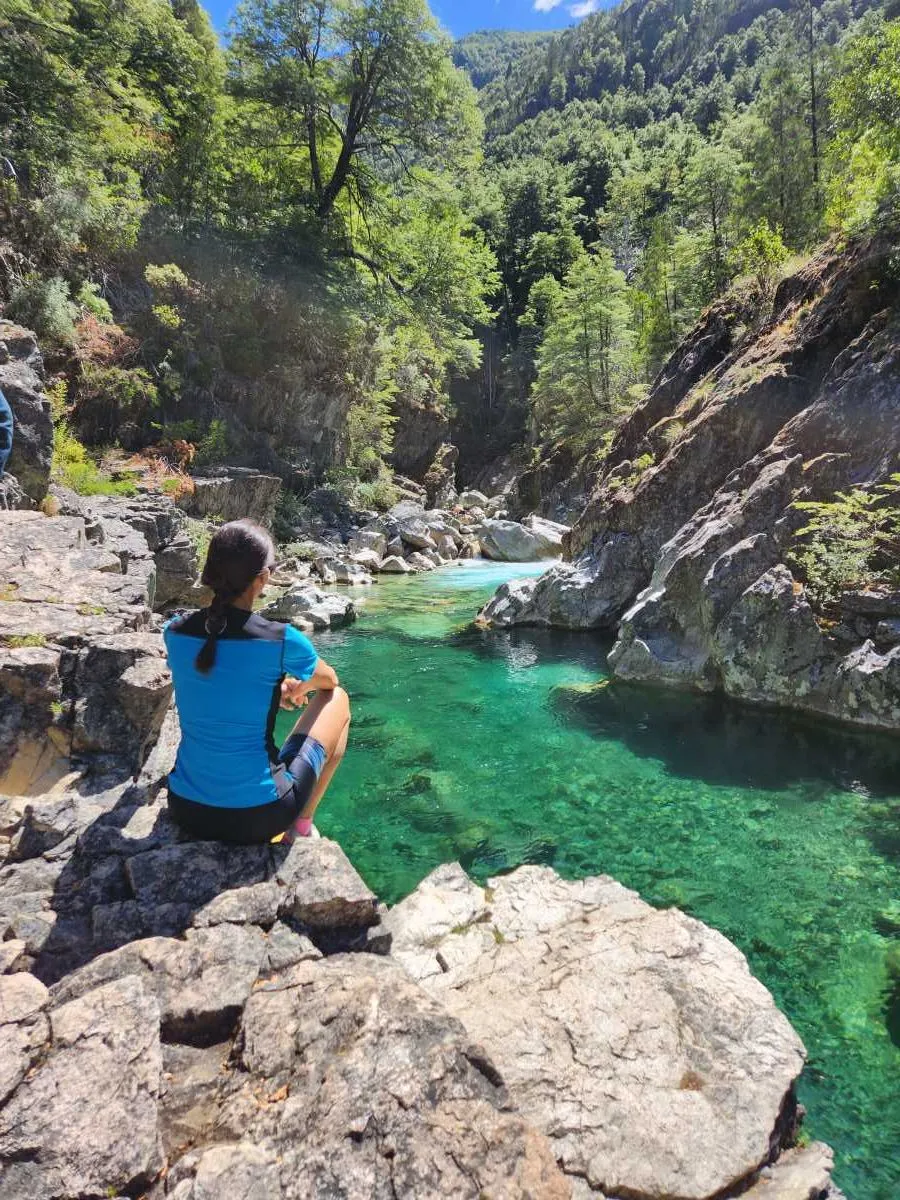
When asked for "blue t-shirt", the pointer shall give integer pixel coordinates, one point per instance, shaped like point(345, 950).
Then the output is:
point(228, 715)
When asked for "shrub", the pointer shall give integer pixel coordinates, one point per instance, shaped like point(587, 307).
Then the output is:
point(88, 298)
point(169, 279)
point(200, 532)
point(215, 446)
point(290, 514)
point(109, 397)
point(761, 255)
point(74, 468)
point(851, 541)
point(45, 306)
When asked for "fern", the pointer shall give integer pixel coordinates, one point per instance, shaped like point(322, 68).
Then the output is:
point(851, 541)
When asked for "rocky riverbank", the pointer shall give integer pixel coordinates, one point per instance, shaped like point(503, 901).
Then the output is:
point(197, 1021)
point(683, 549)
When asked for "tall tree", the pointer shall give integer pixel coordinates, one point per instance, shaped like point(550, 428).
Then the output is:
point(364, 86)
point(585, 360)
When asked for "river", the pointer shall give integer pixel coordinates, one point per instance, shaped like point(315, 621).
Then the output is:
point(496, 749)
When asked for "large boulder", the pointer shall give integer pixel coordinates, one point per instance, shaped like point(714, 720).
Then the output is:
point(526, 541)
point(21, 381)
point(231, 493)
point(308, 605)
point(636, 1039)
point(368, 539)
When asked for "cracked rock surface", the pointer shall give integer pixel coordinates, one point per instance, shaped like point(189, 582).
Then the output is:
point(636, 1039)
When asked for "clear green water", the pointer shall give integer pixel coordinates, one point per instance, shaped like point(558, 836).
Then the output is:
point(497, 749)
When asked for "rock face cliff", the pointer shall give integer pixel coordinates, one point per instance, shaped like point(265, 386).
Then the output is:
point(22, 382)
point(681, 549)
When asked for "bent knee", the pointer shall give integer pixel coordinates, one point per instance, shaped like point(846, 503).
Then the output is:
point(341, 700)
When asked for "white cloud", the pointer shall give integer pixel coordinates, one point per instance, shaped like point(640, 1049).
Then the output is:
point(583, 9)
point(546, 5)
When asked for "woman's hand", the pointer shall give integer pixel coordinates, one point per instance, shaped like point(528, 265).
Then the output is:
point(294, 693)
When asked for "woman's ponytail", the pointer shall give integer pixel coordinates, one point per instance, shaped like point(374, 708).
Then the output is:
point(238, 552)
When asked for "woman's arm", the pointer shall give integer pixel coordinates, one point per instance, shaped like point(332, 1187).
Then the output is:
point(295, 692)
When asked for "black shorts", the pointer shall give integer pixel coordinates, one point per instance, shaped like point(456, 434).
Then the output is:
point(295, 774)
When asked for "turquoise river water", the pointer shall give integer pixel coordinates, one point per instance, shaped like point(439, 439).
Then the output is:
point(500, 748)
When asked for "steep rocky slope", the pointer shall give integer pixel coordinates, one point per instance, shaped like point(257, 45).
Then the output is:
point(685, 558)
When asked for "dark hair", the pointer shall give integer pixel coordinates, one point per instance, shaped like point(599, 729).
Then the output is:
point(238, 552)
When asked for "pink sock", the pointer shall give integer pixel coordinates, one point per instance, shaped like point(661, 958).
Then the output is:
point(302, 827)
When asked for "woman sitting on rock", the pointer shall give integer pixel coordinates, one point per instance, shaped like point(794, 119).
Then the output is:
point(232, 671)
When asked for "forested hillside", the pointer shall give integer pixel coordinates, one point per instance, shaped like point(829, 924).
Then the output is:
point(319, 247)
point(642, 161)
point(492, 52)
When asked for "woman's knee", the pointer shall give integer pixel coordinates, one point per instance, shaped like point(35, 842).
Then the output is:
point(341, 700)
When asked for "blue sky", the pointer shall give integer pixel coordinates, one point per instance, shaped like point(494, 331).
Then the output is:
point(465, 16)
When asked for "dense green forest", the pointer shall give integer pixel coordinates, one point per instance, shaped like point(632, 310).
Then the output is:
point(274, 249)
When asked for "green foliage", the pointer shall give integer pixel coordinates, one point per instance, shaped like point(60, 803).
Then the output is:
point(215, 445)
point(45, 306)
point(852, 541)
point(490, 53)
point(24, 640)
point(110, 396)
point(865, 154)
point(168, 280)
point(89, 300)
point(761, 255)
point(200, 532)
point(74, 468)
point(584, 364)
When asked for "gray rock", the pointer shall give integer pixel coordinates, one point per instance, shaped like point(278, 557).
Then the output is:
point(103, 1045)
point(207, 883)
point(201, 983)
point(512, 541)
point(636, 1039)
point(369, 560)
point(803, 1173)
point(233, 493)
point(21, 381)
point(472, 499)
point(12, 494)
point(324, 610)
point(368, 539)
point(395, 565)
point(579, 595)
point(123, 691)
point(384, 1099)
point(420, 561)
point(414, 532)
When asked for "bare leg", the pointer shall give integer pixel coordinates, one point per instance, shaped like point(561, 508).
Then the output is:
point(327, 719)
